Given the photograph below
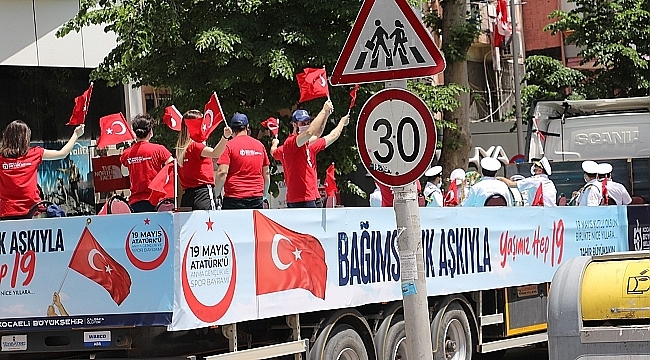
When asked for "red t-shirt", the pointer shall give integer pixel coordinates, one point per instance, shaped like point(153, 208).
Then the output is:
point(299, 166)
point(19, 182)
point(144, 160)
point(245, 157)
point(196, 170)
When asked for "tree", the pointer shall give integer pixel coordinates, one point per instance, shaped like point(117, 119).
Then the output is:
point(614, 34)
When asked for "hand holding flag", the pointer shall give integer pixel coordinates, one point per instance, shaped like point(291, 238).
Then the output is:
point(173, 118)
point(272, 124)
point(353, 96)
point(80, 110)
point(313, 84)
point(114, 130)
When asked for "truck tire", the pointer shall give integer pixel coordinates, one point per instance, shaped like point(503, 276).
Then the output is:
point(455, 337)
point(395, 345)
point(345, 344)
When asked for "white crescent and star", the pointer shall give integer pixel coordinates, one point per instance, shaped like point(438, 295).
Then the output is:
point(91, 260)
point(211, 114)
point(121, 124)
point(323, 82)
point(274, 252)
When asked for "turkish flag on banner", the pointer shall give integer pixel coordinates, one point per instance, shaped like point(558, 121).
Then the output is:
point(200, 129)
point(538, 200)
point(605, 192)
point(114, 130)
point(451, 197)
point(172, 117)
point(353, 95)
point(80, 110)
point(92, 261)
point(163, 184)
point(272, 124)
point(330, 181)
point(285, 259)
point(313, 84)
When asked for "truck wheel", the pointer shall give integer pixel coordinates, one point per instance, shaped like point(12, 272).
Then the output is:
point(345, 344)
point(395, 348)
point(455, 337)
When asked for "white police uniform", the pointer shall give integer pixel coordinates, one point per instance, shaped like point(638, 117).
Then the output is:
point(590, 193)
point(618, 192)
point(431, 192)
point(531, 184)
point(487, 187)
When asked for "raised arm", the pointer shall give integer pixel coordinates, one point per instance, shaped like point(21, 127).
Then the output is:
point(65, 150)
point(209, 152)
point(336, 133)
point(316, 124)
point(507, 181)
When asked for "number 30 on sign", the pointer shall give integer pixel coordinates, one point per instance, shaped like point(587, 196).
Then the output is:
point(396, 137)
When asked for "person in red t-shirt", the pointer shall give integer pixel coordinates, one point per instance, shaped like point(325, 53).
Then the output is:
point(195, 170)
point(243, 171)
point(298, 154)
point(144, 160)
point(18, 167)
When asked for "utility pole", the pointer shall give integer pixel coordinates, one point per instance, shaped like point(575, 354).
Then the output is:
point(414, 285)
point(517, 78)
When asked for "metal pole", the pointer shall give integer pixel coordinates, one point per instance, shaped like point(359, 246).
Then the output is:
point(515, 71)
point(414, 285)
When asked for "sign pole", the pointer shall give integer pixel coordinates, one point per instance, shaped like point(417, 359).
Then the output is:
point(414, 285)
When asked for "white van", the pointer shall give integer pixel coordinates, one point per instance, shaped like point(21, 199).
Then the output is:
point(591, 129)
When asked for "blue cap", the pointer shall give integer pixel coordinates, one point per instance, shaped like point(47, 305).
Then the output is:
point(300, 115)
point(239, 121)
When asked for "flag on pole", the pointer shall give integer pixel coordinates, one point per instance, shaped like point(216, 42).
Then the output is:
point(114, 130)
point(200, 129)
point(451, 197)
point(313, 84)
point(538, 200)
point(353, 95)
point(272, 124)
point(330, 181)
point(80, 110)
point(172, 117)
point(92, 261)
point(502, 28)
point(163, 185)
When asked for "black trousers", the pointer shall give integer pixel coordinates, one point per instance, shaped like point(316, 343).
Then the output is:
point(200, 198)
point(247, 203)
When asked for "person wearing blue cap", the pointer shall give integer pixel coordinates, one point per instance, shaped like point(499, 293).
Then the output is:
point(298, 154)
point(243, 171)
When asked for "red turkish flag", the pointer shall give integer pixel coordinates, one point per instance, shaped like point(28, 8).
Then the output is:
point(330, 181)
point(172, 117)
point(313, 84)
point(92, 261)
point(163, 185)
point(200, 129)
point(605, 192)
point(538, 200)
point(114, 130)
point(285, 259)
point(451, 197)
point(80, 110)
point(353, 95)
point(502, 27)
point(272, 124)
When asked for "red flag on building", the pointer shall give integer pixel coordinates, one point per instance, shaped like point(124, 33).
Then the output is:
point(272, 124)
point(114, 130)
point(330, 181)
point(92, 261)
point(502, 27)
point(313, 84)
point(200, 129)
point(172, 117)
point(286, 259)
point(163, 184)
point(451, 197)
point(605, 192)
point(538, 200)
point(353, 95)
point(80, 110)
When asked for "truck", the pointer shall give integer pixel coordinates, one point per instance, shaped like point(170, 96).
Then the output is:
point(313, 284)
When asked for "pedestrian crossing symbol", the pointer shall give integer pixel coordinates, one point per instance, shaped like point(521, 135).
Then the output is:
point(388, 42)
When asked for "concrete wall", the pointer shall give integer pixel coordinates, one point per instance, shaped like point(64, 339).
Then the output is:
point(27, 35)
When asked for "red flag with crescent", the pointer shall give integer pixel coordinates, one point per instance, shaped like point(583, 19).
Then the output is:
point(451, 197)
point(538, 200)
point(163, 185)
point(172, 117)
point(80, 110)
point(313, 84)
point(200, 129)
point(114, 130)
point(92, 261)
point(286, 259)
point(272, 124)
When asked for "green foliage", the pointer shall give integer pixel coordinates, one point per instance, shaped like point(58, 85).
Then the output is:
point(615, 35)
point(457, 43)
point(439, 99)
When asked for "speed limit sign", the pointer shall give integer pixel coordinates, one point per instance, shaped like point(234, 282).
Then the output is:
point(396, 137)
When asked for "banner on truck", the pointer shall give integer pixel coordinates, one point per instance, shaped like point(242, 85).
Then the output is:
point(233, 266)
point(75, 272)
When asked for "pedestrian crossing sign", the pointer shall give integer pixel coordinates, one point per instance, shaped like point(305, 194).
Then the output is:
point(387, 42)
